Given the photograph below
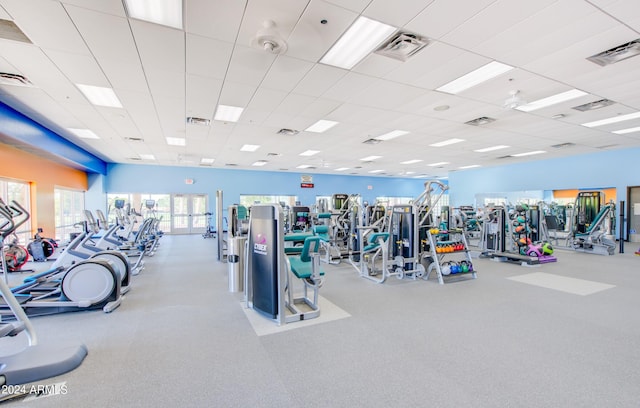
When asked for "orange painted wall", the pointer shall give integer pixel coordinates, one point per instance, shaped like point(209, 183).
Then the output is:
point(609, 194)
point(44, 176)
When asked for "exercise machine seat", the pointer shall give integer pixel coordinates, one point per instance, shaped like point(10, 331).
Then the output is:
point(302, 265)
point(322, 232)
point(373, 241)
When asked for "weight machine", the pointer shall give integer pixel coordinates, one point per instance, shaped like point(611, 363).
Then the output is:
point(592, 224)
point(269, 273)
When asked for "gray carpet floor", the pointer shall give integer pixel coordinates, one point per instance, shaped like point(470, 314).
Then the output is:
point(180, 339)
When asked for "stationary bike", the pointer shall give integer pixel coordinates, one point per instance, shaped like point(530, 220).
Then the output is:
point(209, 233)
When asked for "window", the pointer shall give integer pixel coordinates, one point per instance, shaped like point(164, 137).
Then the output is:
point(13, 190)
point(138, 203)
point(248, 199)
point(69, 212)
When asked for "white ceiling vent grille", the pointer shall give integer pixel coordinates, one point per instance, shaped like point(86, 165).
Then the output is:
point(288, 132)
point(484, 120)
point(14, 79)
point(372, 141)
point(563, 145)
point(402, 46)
point(594, 105)
point(192, 120)
point(617, 54)
point(10, 31)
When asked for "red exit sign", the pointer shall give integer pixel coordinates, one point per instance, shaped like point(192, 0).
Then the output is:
point(306, 185)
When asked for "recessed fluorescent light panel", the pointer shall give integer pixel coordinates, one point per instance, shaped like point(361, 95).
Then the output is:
point(100, 96)
point(447, 142)
point(371, 158)
point(249, 148)
point(625, 131)
point(165, 12)
point(342, 168)
point(528, 153)
point(614, 119)
point(84, 133)
point(309, 152)
point(259, 163)
point(492, 148)
point(473, 78)
point(376, 171)
point(357, 42)
point(437, 164)
point(411, 161)
point(551, 100)
point(304, 166)
point(226, 113)
point(391, 135)
point(321, 126)
point(147, 157)
point(471, 166)
point(176, 141)
point(207, 160)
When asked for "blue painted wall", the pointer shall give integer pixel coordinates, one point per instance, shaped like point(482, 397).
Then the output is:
point(614, 168)
point(127, 178)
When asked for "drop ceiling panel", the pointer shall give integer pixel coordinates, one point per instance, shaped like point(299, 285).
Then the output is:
point(500, 17)
point(41, 71)
point(354, 5)
point(385, 94)
point(311, 39)
point(236, 94)
point(114, 7)
point(159, 47)
point(443, 16)
point(142, 111)
point(571, 62)
point(202, 96)
point(249, 66)
point(79, 69)
point(350, 84)
point(117, 46)
point(207, 57)
point(219, 19)
point(286, 73)
point(397, 13)
point(319, 79)
point(166, 83)
point(553, 29)
point(36, 19)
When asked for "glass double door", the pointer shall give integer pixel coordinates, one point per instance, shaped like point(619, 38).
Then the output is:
point(188, 213)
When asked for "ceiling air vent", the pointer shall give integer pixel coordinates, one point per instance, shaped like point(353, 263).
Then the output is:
point(563, 145)
point(135, 158)
point(230, 164)
point(617, 54)
point(288, 132)
point(372, 141)
point(274, 154)
point(10, 31)
point(192, 120)
point(134, 139)
point(606, 146)
point(14, 79)
point(594, 105)
point(402, 46)
point(484, 120)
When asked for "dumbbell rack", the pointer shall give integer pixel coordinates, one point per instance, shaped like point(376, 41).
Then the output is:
point(439, 257)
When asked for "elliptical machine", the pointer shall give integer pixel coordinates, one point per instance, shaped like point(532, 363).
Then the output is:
point(85, 285)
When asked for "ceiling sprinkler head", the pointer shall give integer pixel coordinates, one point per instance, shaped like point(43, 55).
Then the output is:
point(268, 39)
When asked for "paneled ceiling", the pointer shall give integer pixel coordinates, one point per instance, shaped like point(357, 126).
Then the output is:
point(163, 75)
